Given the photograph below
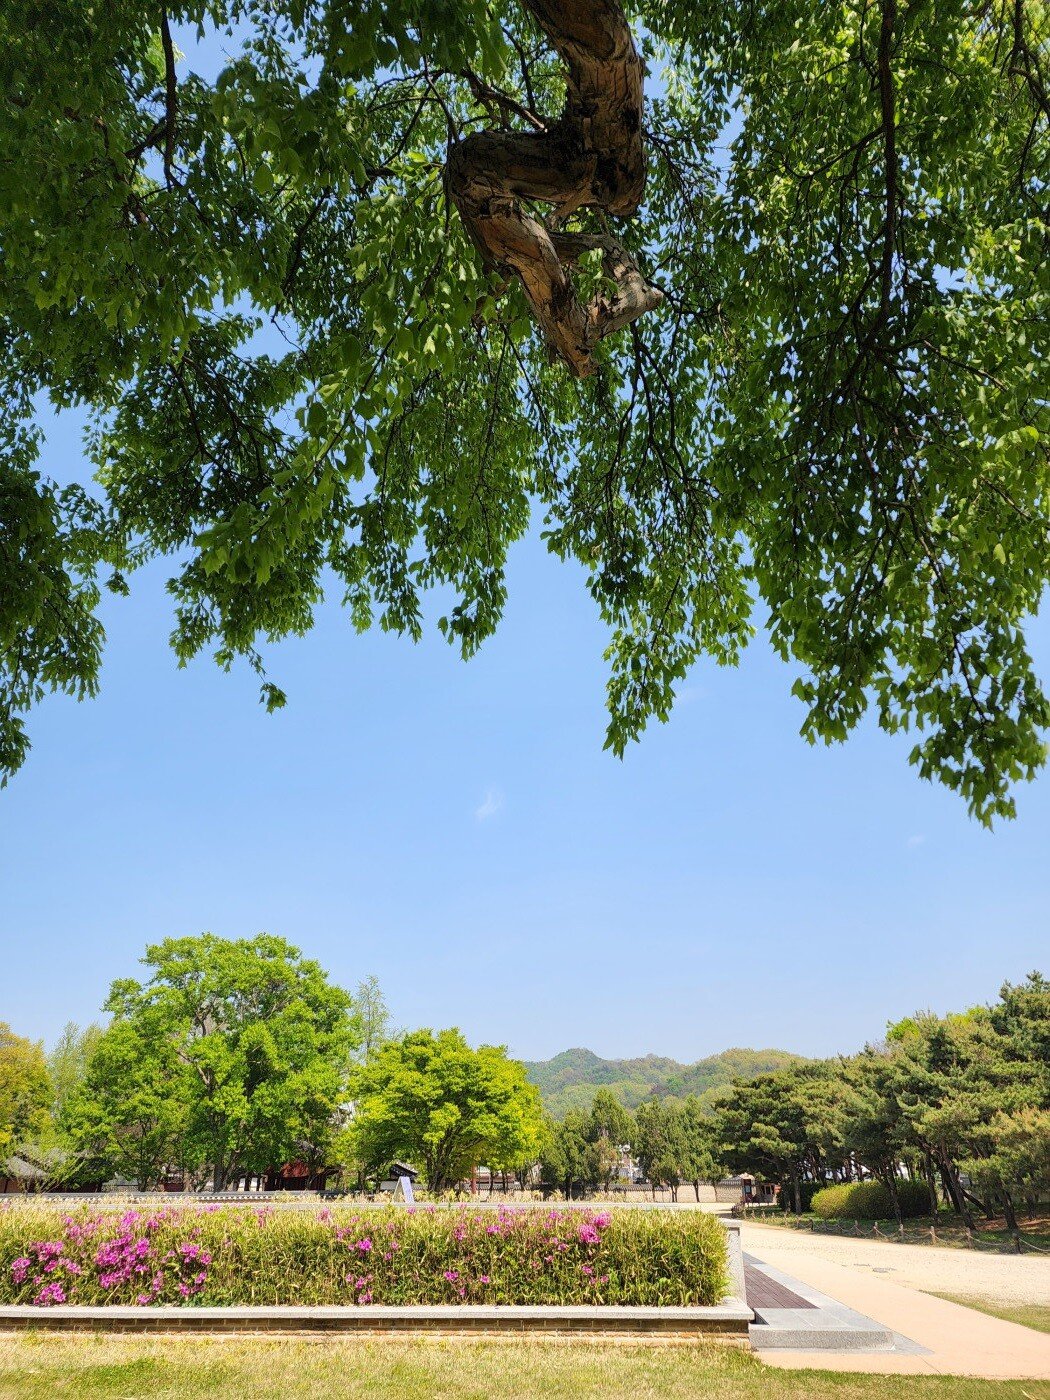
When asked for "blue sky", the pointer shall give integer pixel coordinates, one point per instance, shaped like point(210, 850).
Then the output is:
point(456, 829)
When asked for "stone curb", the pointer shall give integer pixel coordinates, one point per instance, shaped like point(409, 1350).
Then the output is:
point(725, 1322)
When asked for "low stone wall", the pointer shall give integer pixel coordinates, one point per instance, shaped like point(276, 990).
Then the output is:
point(726, 1322)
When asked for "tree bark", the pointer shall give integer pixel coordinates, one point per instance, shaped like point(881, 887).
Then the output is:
point(592, 156)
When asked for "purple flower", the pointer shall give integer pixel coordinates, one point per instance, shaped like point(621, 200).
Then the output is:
point(451, 1275)
point(484, 1278)
point(588, 1234)
point(50, 1293)
point(20, 1268)
point(363, 1245)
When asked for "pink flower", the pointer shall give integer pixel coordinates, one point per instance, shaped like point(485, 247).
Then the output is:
point(484, 1278)
point(451, 1275)
point(20, 1268)
point(588, 1234)
point(50, 1293)
point(363, 1245)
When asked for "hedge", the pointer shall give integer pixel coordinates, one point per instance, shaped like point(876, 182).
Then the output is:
point(806, 1190)
point(243, 1255)
point(869, 1200)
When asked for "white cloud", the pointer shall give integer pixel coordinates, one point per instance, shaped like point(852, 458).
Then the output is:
point(493, 803)
point(914, 841)
point(689, 694)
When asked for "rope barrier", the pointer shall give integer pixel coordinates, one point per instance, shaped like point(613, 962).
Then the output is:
point(949, 1237)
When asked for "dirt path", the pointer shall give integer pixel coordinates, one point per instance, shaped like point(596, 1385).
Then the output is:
point(993, 1278)
point(893, 1283)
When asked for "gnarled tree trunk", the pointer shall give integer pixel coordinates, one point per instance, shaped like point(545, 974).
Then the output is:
point(592, 155)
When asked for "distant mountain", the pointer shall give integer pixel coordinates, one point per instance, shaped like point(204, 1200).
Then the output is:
point(570, 1079)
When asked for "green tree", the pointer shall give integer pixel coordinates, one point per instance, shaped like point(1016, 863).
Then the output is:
point(803, 279)
point(564, 1160)
point(239, 1050)
point(25, 1090)
point(131, 1114)
point(784, 1126)
point(659, 1144)
point(374, 1014)
point(67, 1063)
point(699, 1161)
point(433, 1100)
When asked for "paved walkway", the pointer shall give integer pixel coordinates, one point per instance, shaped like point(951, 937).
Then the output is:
point(957, 1341)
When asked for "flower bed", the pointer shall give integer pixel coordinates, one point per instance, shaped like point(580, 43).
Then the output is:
point(242, 1255)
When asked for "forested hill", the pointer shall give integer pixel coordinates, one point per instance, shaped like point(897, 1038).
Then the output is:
point(570, 1079)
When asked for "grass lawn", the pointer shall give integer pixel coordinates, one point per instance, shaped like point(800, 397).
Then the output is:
point(1035, 1315)
point(397, 1369)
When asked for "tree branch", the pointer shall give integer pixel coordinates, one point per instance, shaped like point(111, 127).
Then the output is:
point(592, 156)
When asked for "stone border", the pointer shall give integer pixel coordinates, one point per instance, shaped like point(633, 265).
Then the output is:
point(726, 1322)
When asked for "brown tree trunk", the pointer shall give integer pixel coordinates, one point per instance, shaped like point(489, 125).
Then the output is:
point(592, 155)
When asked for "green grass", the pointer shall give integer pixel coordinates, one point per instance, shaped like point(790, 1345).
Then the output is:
point(40, 1367)
point(1036, 1315)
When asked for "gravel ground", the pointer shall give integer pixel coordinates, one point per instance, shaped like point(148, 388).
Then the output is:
point(993, 1278)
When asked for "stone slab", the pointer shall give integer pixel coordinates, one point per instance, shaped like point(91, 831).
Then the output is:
point(792, 1316)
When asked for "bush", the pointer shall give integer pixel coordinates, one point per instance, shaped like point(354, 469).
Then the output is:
point(807, 1190)
point(396, 1255)
point(869, 1200)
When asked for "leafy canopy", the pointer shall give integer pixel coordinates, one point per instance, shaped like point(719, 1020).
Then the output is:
point(234, 1056)
point(301, 376)
point(25, 1090)
point(435, 1101)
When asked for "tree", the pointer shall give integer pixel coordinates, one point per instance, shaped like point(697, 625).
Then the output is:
point(783, 1126)
point(370, 1005)
point(25, 1089)
point(609, 1130)
point(234, 1055)
point(658, 1144)
point(564, 1155)
point(131, 1114)
point(804, 276)
point(67, 1063)
point(698, 1141)
point(433, 1100)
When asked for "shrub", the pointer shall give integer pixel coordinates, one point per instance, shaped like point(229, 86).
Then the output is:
point(869, 1200)
point(807, 1190)
point(261, 1255)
